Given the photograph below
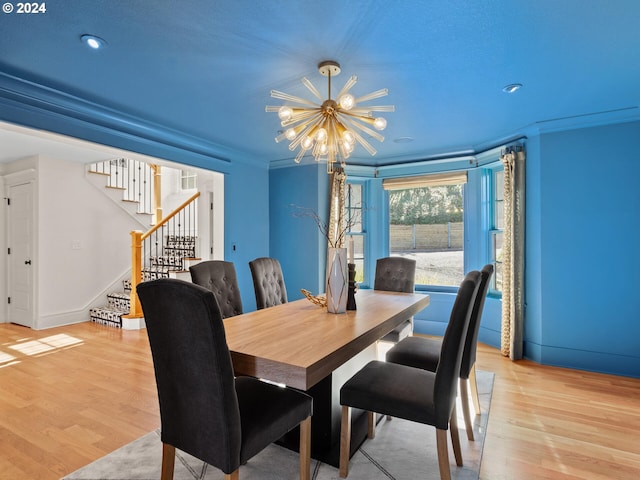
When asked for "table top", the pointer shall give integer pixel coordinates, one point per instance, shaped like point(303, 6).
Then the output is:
point(299, 343)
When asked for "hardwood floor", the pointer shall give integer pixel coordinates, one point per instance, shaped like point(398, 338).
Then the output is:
point(72, 394)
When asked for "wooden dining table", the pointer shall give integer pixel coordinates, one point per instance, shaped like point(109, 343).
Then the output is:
point(301, 345)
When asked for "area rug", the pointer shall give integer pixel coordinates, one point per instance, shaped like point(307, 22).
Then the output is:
point(401, 450)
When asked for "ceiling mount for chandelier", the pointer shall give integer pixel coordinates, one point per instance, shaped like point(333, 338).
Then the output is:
point(331, 129)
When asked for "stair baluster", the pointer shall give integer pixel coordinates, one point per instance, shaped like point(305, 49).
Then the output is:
point(163, 249)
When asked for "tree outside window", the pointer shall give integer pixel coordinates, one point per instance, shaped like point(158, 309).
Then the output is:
point(426, 224)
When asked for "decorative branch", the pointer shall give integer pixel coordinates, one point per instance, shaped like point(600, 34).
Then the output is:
point(323, 226)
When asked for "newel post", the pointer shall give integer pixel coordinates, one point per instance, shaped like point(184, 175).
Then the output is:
point(135, 310)
point(157, 193)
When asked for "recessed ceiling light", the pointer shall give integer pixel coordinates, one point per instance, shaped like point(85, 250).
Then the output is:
point(93, 41)
point(403, 140)
point(513, 87)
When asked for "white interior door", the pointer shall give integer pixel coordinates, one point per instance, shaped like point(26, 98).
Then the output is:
point(20, 254)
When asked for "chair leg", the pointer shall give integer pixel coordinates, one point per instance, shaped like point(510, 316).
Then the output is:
point(235, 475)
point(443, 454)
point(305, 449)
point(464, 400)
point(474, 389)
point(168, 461)
point(371, 421)
point(345, 441)
point(455, 436)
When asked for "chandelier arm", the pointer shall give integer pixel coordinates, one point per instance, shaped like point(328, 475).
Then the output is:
point(300, 154)
point(370, 96)
point(300, 116)
point(297, 129)
point(292, 98)
point(367, 146)
point(344, 153)
point(373, 108)
point(311, 87)
point(364, 129)
point(333, 144)
point(298, 140)
point(353, 79)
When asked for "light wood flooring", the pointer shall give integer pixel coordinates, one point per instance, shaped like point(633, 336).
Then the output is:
point(72, 394)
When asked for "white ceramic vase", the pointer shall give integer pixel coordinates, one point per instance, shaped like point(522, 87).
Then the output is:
point(337, 280)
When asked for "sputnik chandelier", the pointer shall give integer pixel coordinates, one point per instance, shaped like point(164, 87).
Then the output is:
point(329, 130)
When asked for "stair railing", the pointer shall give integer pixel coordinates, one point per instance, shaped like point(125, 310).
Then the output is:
point(163, 248)
point(138, 180)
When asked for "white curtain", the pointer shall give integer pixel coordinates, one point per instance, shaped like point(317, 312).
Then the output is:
point(513, 253)
point(336, 230)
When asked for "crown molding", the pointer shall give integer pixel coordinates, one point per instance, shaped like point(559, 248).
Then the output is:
point(38, 106)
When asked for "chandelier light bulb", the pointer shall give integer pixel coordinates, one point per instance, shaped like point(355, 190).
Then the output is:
point(380, 123)
point(285, 113)
point(323, 150)
point(348, 137)
point(307, 142)
point(347, 101)
point(321, 135)
point(290, 134)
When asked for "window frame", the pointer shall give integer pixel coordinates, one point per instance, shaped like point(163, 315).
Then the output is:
point(360, 261)
point(494, 229)
point(189, 176)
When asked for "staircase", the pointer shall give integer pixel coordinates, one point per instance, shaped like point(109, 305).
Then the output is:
point(178, 254)
point(166, 250)
point(117, 305)
point(131, 184)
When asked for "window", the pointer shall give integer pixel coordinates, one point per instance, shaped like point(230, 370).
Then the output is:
point(355, 226)
point(496, 229)
point(188, 180)
point(426, 224)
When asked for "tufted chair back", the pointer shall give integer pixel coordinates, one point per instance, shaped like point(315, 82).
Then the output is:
point(396, 274)
point(219, 277)
point(268, 282)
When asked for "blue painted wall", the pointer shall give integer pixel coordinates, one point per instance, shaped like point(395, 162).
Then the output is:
point(583, 222)
point(588, 256)
point(296, 240)
point(246, 218)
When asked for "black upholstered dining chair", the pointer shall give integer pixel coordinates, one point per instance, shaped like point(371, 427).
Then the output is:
point(413, 393)
point(219, 277)
point(396, 274)
point(268, 282)
point(204, 410)
point(424, 353)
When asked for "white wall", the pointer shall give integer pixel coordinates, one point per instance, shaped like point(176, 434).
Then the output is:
point(84, 246)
